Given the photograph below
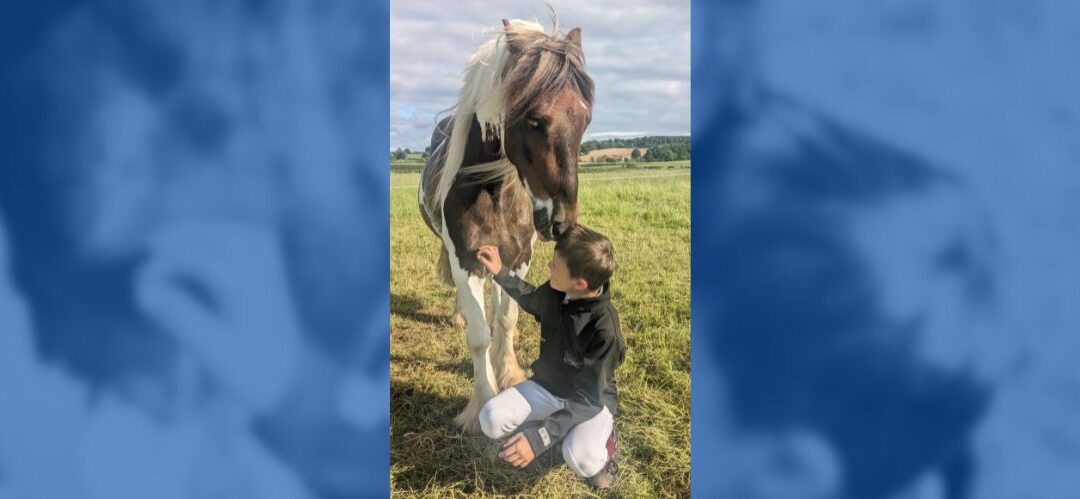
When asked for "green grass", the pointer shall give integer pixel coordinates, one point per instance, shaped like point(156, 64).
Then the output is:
point(647, 216)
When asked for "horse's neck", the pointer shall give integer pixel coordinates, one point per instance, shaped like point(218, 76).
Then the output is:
point(477, 151)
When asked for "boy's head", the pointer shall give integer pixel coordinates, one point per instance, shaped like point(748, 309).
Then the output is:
point(583, 261)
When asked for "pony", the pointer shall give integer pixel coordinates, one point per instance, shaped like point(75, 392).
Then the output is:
point(503, 171)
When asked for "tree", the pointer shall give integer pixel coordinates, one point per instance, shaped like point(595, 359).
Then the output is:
point(400, 155)
point(635, 154)
point(660, 153)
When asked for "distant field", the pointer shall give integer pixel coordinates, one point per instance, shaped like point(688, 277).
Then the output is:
point(612, 152)
point(646, 213)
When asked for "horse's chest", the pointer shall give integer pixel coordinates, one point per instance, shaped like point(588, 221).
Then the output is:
point(491, 216)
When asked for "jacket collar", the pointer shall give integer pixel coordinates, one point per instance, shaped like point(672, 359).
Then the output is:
point(587, 303)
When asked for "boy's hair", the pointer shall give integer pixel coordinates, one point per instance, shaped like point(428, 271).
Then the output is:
point(589, 255)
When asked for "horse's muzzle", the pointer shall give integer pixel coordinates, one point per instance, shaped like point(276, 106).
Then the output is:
point(560, 228)
point(551, 229)
point(543, 225)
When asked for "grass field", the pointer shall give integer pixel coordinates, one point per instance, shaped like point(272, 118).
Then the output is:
point(646, 213)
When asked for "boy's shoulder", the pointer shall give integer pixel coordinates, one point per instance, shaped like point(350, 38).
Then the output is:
point(605, 320)
point(549, 292)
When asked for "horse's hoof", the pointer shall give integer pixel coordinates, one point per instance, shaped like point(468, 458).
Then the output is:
point(468, 423)
point(469, 419)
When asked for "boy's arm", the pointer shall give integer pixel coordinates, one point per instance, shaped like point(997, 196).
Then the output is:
point(528, 296)
point(584, 404)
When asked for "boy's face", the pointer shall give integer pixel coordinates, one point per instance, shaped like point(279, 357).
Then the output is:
point(561, 280)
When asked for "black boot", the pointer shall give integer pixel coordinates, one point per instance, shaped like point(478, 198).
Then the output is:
point(605, 479)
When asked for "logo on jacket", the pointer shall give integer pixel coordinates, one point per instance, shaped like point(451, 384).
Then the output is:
point(573, 361)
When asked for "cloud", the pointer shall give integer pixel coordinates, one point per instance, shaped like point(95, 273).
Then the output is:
point(609, 135)
point(638, 54)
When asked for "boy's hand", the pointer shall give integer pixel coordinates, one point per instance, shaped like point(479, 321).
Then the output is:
point(489, 257)
point(517, 451)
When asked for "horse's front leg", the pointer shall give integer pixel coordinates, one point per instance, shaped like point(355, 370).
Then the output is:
point(507, 371)
point(470, 290)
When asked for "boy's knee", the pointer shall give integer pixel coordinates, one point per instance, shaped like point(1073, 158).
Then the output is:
point(494, 420)
point(585, 461)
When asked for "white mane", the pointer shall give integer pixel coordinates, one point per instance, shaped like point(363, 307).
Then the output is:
point(482, 94)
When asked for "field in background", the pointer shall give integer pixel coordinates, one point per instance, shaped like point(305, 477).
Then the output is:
point(645, 210)
point(620, 153)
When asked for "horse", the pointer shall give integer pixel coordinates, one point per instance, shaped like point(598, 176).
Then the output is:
point(503, 171)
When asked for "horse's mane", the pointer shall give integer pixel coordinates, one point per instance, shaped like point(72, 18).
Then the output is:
point(522, 57)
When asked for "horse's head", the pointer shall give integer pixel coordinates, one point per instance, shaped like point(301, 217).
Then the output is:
point(548, 106)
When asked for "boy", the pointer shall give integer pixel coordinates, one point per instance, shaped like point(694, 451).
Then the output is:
point(572, 395)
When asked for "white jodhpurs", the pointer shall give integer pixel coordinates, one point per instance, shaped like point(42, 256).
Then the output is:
point(585, 446)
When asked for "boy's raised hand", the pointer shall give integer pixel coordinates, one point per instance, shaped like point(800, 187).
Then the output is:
point(489, 257)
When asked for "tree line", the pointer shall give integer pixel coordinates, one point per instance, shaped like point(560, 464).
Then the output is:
point(643, 142)
point(668, 152)
point(659, 148)
point(400, 154)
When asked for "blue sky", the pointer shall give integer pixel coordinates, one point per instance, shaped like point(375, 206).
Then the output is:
point(638, 53)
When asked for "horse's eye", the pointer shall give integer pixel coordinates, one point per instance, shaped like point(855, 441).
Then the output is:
point(532, 123)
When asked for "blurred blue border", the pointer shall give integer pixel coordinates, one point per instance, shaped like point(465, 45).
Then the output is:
point(883, 217)
point(108, 407)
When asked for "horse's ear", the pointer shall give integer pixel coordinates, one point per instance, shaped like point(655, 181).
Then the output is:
point(506, 24)
point(574, 36)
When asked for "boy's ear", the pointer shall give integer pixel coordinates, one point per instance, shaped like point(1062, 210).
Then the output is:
point(581, 284)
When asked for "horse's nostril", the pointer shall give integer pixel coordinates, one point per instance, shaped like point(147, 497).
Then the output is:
point(541, 219)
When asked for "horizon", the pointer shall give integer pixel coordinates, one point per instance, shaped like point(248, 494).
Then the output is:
point(687, 135)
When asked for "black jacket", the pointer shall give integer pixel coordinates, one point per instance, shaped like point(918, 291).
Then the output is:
point(580, 347)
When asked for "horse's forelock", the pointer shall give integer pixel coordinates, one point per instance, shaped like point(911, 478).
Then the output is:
point(539, 67)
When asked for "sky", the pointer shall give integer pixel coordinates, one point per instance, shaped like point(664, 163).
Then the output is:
point(637, 52)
